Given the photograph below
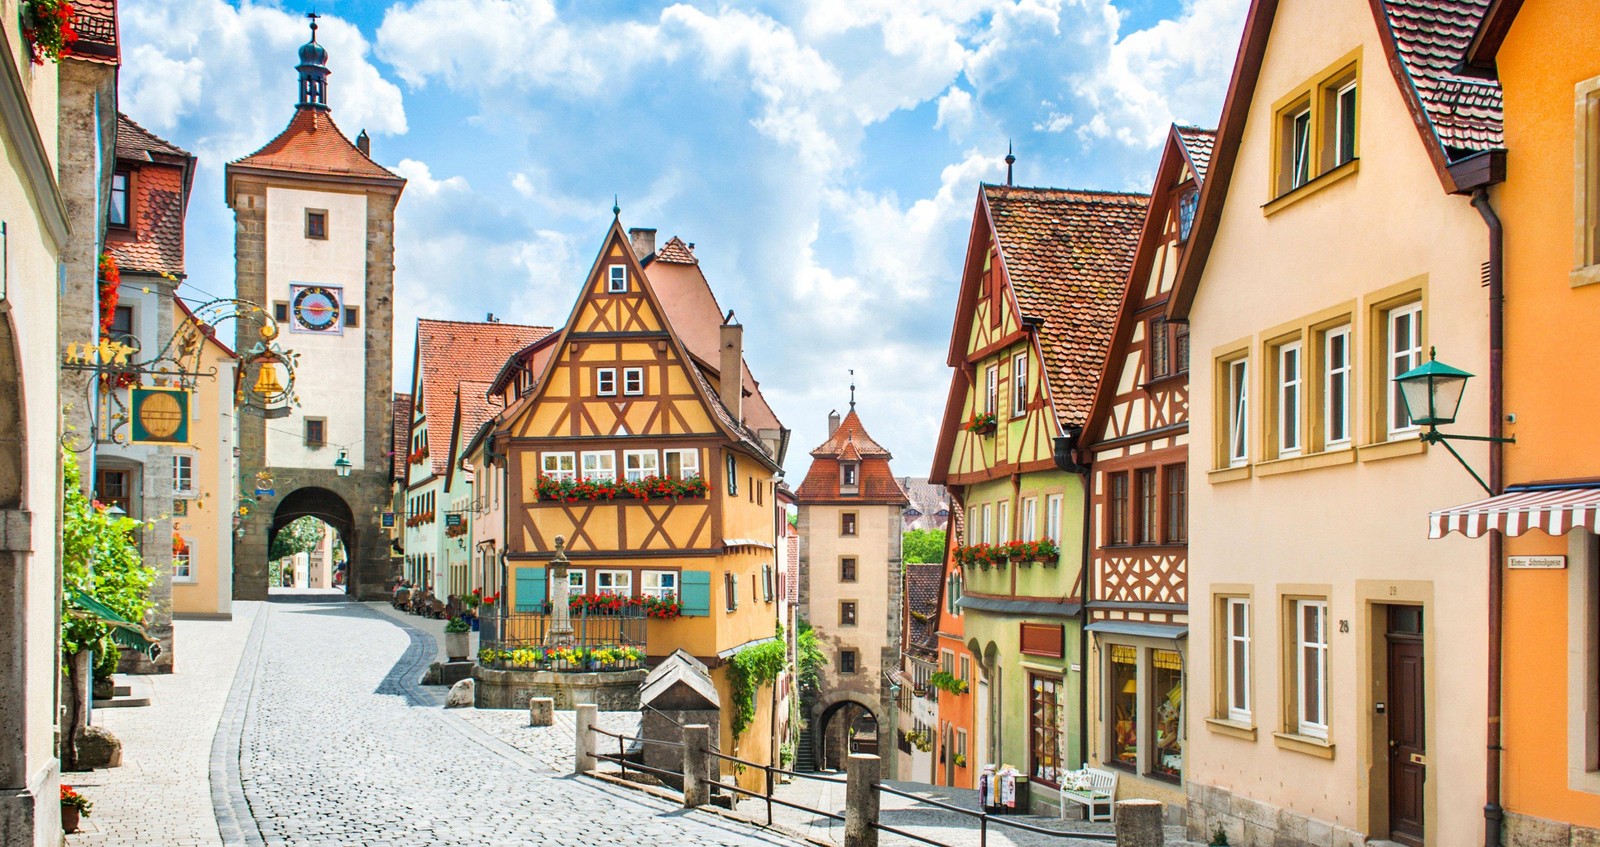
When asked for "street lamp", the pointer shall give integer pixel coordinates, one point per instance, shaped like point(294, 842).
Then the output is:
point(342, 464)
point(1432, 393)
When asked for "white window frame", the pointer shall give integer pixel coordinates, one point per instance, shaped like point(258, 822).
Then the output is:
point(633, 381)
point(1397, 361)
point(617, 279)
point(1003, 522)
point(626, 580)
point(688, 461)
point(602, 466)
point(1341, 115)
point(991, 401)
point(551, 466)
point(605, 382)
point(1019, 385)
point(1300, 148)
point(849, 474)
point(661, 585)
point(1030, 519)
point(1311, 665)
point(1052, 517)
point(638, 464)
point(987, 526)
point(1291, 397)
point(1238, 412)
point(183, 566)
point(1238, 658)
point(182, 474)
point(1336, 371)
point(577, 582)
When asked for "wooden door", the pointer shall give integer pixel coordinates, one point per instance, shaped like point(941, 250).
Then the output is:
point(1408, 767)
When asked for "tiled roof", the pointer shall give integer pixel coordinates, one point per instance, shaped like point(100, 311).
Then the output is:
point(792, 567)
point(676, 252)
point(1197, 142)
point(153, 243)
point(746, 437)
point(923, 582)
point(476, 409)
point(1067, 255)
point(96, 25)
point(850, 442)
point(136, 142)
point(925, 496)
point(452, 352)
point(400, 442)
point(1431, 39)
point(850, 434)
point(311, 143)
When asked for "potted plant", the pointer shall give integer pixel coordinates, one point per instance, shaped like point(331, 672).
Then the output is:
point(983, 423)
point(48, 26)
point(961, 760)
point(455, 639)
point(73, 804)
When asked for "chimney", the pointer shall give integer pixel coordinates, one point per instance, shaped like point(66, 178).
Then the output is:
point(491, 319)
point(833, 421)
point(731, 386)
point(644, 242)
point(364, 144)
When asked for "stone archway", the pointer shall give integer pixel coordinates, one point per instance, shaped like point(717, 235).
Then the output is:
point(325, 506)
point(835, 716)
point(15, 555)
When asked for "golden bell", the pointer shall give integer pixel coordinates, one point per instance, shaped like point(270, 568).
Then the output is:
point(267, 384)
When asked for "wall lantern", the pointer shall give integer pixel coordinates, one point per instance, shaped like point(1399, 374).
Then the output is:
point(1432, 393)
point(342, 464)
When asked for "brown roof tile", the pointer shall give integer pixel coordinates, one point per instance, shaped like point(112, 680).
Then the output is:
point(137, 143)
point(1197, 142)
point(923, 583)
point(400, 437)
point(850, 442)
point(153, 243)
point(450, 353)
point(96, 25)
point(1067, 255)
point(312, 143)
point(676, 252)
point(1431, 38)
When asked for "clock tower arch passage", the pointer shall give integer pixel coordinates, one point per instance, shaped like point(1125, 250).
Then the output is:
point(314, 246)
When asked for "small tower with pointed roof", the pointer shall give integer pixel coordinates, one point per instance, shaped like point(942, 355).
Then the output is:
point(314, 246)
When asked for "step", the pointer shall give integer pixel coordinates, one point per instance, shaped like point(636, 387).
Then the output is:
point(122, 703)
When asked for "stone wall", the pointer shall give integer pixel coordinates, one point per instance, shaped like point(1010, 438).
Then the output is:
point(1528, 831)
point(668, 726)
point(611, 691)
point(1252, 823)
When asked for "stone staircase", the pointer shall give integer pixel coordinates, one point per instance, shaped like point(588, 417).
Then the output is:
point(805, 757)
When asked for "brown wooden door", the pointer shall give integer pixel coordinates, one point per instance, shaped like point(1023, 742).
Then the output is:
point(1408, 768)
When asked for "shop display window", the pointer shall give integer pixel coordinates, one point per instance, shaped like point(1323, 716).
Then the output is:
point(1124, 677)
point(1166, 707)
point(1044, 719)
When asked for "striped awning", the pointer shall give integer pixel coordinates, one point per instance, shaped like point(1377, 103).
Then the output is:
point(1556, 511)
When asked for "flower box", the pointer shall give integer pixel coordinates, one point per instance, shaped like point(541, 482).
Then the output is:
point(983, 423)
point(648, 488)
point(48, 27)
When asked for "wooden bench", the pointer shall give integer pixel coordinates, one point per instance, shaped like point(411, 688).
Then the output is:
point(1102, 792)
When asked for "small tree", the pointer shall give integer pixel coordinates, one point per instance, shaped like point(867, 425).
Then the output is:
point(922, 546)
point(301, 535)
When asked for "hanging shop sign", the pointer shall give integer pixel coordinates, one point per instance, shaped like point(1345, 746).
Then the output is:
point(452, 519)
point(160, 416)
point(388, 520)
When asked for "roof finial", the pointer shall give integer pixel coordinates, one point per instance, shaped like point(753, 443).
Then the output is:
point(852, 389)
point(1011, 159)
point(312, 16)
point(616, 206)
point(313, 70)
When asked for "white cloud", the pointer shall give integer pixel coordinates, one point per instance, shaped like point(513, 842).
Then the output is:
point(955, 112)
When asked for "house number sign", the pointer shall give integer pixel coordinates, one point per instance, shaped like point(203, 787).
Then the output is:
point(1536, 562)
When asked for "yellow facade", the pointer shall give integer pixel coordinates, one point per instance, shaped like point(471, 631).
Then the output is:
point(202, 523)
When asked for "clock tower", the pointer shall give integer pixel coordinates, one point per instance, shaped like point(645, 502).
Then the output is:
point(314, 246)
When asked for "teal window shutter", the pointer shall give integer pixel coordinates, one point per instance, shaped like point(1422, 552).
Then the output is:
point(530, 589)
point(694, 593)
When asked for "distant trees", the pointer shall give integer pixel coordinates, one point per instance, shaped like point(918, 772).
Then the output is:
point(923, 546)
point(302, 535)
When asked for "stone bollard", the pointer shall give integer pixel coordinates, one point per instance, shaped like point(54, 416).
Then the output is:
point(861, 801)
point(541, 711)
point(1139, 823)
point(696, 788)
point(587, 715)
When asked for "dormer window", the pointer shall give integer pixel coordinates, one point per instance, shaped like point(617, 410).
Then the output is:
point(847, 474)
point(617, 279)
point(117, 210)
point(1188, 204)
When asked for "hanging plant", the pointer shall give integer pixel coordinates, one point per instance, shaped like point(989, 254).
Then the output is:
point(110, 280)
point(47, 24)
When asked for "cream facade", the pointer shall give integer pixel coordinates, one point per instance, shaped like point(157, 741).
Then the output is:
point(204, 480)
point(1335, 675)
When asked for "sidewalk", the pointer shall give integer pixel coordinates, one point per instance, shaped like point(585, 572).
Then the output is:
point(430, 626)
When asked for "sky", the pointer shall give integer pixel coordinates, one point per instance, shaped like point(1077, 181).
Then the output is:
point(824, 156)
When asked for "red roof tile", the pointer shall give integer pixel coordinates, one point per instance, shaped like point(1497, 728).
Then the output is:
point(1067, 255)
point(1197, 143)
point(1430, 37)
point(676, 252)
point(923, 583)
point(96, 25)
point(400, 437)
point(312, 143)
point(450, 353)
point(154, 241)
point(850, 442)
point(852, 433)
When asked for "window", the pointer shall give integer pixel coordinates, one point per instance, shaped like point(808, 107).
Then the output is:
point(733, 477)
point(966, 669)
point(617, 279)
point(1004, 522)
point(633, 381)
point(986, 526)
point(1160, 358)
point(947, 662)
point(847, 569)
point(1586, 232)
point(1052, 517)
point(847, 661)
point(614, 582)
point(1336, 387)
point(317, 224)
point(605, 382)
point(1123, 726)
point(577, 582)
point(953, 593)
point(1019, 385)
point(352, 316)
point(1180, 344)
point(847, 524)
point(1344, 124)
point(182, 474)
point(1044, 729)
point(1298, 130)
point(600, 465)
point(682, 464)
point(1188, 204)
point(1288, 399)
point(991, 401)
point(1403, 352)
point(847, 613)
point(1317, 128)
point(847, 474)
point(1029, 530)
point(182, 561)
point(1165, 708)
point(766, 583)
point(1238, 386)
point(659, 584)
point(280, 311)
point(730, 590)
point(1117, 509)
point(560, 467)
point(117, 211)
point(316, 432)
point(638, 464)
point(1177, 523)
point(961, 744)
point(1149, 505)
point(1311, 666)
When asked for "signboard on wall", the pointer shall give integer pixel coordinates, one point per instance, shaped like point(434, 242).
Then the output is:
point(388, 520)
point(159, 415)
point(1536, 562)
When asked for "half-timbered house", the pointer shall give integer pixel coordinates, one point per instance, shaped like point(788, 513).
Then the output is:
point(1137, 444)
point(1045, 270)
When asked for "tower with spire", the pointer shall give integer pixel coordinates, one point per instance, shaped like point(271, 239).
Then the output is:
point(314, 247)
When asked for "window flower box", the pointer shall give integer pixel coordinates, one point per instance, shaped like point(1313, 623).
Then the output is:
point(48, 27)
point(984, 556)
point(648, 488)
point(1045, 551)
point(983, 423)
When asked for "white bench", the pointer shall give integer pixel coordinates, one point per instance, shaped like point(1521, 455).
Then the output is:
point(1102, 792)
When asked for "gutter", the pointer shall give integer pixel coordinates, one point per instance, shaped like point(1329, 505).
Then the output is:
point(1066, 456)
point(1493, 813)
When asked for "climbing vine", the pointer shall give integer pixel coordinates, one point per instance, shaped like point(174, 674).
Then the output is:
point(748, 670)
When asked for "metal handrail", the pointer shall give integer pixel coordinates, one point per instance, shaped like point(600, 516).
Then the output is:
point(984, 819)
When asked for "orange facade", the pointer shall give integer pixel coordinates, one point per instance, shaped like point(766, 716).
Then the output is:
point(956, 736)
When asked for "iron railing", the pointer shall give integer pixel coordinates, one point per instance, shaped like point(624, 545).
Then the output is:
point(607, 641)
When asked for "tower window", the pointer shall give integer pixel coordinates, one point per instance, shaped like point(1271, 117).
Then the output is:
point(317, 224)
point(316, 432)
point(280, 311)
point(352, 316)
point(617, 279)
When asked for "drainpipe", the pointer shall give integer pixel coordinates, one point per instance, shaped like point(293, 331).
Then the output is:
point(1067, 459)
point(1492, 811)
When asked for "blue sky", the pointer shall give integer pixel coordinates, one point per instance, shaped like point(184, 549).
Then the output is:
point(823, 155)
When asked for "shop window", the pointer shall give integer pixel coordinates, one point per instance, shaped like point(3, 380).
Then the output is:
point(1044, 729)
point(1123, 745)
point(1166, 708)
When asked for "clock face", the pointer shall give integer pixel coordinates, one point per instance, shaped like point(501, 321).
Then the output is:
point(316, 308)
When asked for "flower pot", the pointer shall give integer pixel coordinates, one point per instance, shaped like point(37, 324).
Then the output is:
point(473, 622)
point(69, 818)
point(455, 645)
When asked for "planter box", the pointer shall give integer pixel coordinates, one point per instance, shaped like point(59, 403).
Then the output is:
point(456, 645)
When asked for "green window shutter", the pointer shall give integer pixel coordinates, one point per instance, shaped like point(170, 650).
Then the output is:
point(530, 589)
point(694, 593)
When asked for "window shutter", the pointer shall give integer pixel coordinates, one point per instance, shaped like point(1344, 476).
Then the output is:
point(695, 593)
point(530, 589)
point(732, 591)
point(766, 583)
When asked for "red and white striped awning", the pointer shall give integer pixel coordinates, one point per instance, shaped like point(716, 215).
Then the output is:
point(1556, 511)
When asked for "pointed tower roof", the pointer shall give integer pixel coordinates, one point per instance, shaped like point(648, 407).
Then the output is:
point(850, 442)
